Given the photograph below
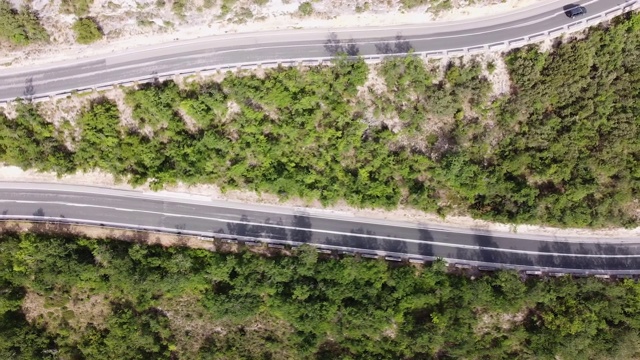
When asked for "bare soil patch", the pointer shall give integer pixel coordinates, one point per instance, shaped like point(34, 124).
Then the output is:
point(495, 322)
point(79, 309)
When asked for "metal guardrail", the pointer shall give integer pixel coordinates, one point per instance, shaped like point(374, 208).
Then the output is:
point(333, 249)
point(498, 46)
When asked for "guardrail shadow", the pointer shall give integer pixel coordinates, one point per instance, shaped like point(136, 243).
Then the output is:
point(39, 212)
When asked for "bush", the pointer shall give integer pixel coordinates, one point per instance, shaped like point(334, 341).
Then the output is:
point(77, 7)
point(179, 7)
point(306, 8)
point(20, 27)
point(491, 67)
point(87, 31)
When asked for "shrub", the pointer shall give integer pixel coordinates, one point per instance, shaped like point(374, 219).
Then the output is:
point(87, 31)
point(306, 8)
point(20, 27)
point(179, 7)
point(77, 7)
point(491, 67)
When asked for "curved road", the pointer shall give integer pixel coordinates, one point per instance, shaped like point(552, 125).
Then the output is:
point(339, 231)
point(286, 45)
point(279, 225)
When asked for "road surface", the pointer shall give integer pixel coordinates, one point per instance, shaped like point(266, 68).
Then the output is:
point(282, 45)
point(281, 225)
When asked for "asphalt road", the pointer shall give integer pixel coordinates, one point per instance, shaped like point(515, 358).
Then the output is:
point(338, 231)
point(286, 45)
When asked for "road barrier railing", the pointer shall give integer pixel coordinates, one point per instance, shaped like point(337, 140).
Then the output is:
point(370, 59)
point(329, 249)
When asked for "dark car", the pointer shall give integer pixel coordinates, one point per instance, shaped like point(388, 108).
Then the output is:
point(576, 11)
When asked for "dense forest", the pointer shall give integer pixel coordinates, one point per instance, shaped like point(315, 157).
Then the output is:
point(561, 148)
point(78, 298)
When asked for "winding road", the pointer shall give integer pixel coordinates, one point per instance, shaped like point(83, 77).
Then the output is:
point(335, 231)
point(279, 46)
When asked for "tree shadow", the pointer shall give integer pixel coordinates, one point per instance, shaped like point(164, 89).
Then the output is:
point(489, 252)
point(240, 228)
point(29, 90)
point(39, 212)
point(269, 230)
point(137, 237)
point(589, 257)
point(394, 246)
point(301, 231)
point(425, 247)
point(400, 45)
point(275, 231)
point(334, 46)
point(59, 228)
point(384, 48)
point(154, 84)
point(99, 100)
point(180, 228)
point(355, 240)
point(155, 79)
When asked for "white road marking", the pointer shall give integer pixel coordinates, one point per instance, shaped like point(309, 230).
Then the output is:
point(469, 247)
